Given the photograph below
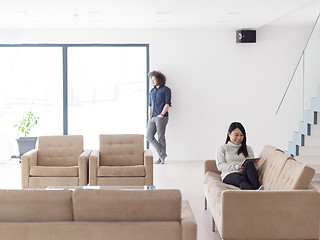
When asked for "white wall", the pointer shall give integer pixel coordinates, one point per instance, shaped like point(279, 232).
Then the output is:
point(214, 81)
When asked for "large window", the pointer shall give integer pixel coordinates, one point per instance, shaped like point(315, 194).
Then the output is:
point(30, 81)
point(90, 90)
point(107, 91)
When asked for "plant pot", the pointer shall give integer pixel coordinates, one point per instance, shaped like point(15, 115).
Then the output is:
point(26, 144)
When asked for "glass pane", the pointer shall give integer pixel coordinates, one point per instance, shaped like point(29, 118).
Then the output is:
point(106, 91)
point(31, 80)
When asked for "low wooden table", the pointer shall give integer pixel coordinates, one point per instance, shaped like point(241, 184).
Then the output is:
point(145, 187)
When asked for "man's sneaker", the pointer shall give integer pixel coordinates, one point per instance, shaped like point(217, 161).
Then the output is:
point(163, 158)
point(157, 162)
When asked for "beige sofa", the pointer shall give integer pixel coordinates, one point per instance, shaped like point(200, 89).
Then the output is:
point(95, 214)
point(58, 161)
point(289, 208)
point(121, 160)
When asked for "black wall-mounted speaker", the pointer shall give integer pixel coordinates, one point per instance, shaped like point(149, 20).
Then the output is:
point(246, 36)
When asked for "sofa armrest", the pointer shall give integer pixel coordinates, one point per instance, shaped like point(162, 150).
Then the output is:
point(188, 222)
point(94, 162)
point(270, 214)
point(148, 164)
point(83, 162)
point(27, 160)
point(210, 165)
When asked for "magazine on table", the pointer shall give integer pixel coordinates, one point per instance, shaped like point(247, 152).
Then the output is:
point(254, 160)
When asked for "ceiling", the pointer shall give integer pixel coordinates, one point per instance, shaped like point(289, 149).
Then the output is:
point(153, 13)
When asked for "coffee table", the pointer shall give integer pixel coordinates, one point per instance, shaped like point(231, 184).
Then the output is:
point(145, 187)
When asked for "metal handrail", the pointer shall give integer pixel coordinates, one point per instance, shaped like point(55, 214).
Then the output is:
point(294, 72)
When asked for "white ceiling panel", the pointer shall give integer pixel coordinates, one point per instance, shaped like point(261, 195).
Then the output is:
point(146, 13)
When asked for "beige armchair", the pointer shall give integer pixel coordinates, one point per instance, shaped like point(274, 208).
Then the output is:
point(121, 161)
point(58, 161)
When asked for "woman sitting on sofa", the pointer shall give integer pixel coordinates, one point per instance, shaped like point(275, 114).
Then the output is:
point(230, 157)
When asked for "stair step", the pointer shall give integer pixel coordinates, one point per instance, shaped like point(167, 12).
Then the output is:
point(312, 140)
point(315, 130)
point(292, 149)
point(310, 116)
point(298, 139)
point(315, 104)
point(304, 128)
point(309, 150)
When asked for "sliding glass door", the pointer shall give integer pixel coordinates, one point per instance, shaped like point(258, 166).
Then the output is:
point(74, 89)
point(30, 81)
point(106, 91)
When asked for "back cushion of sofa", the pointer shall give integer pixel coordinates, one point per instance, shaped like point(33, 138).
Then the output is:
point(126, 205)
point(35, 205)
point(59, 150)
point(272, 168)
point(121, 149)
point(264, 155)
point(295, 176)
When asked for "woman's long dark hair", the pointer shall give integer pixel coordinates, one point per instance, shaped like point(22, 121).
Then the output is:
point(243, 148)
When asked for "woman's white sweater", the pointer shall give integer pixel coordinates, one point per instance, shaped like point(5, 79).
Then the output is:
point(228, 159)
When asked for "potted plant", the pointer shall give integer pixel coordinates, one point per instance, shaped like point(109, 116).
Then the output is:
point(24, 126)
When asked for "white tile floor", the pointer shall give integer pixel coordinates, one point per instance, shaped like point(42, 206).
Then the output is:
point(184, 175)
point(188, 177)
point(10, 174)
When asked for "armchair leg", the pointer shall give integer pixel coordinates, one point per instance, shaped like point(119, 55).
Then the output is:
point(205, 203)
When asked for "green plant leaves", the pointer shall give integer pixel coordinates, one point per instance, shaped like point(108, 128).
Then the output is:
point(26, 123)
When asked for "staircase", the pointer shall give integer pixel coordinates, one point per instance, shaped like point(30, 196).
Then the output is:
point(305, 147)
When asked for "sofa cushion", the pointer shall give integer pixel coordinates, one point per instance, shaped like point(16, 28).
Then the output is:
point(43, 182)
point(295, 176)
point(121, 149)
point(121, 181)
point(264, 156)
point(126, 205)
point(210, 176)
point(123, 171)
point(51, 171)
point(59, 150)
point(35, 205)
point(272, 168)
point(91, 231)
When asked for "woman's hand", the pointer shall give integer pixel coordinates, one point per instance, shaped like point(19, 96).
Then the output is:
point(240, 166)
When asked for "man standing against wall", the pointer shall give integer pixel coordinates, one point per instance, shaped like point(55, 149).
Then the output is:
point(159, 103)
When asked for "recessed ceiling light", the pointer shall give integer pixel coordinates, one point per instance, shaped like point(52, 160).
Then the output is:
point(160, 21)
point(163, 12)
point(92, 12)
point(21, 12)
point(234, 13)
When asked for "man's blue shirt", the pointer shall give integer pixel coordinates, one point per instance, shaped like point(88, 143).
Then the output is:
point(159, 97)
